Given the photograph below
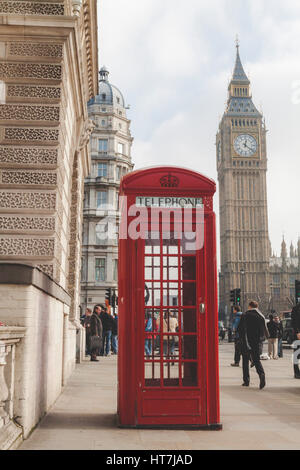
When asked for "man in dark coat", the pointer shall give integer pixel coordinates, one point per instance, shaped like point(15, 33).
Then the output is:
point(95, 330)
point(252, 332)
point(295, 316)
point(108, 324)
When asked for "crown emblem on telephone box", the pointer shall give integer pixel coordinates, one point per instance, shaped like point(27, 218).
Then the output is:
point(169, 181)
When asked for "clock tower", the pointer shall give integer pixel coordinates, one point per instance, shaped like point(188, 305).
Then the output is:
point(242, 167)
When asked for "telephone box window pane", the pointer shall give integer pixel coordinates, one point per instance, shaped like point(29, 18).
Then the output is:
point(170, 243)
point(188, 242)
point(152, 274)
point(170, 296)
point(152, 243)
point(189, 321)
point(189, 347)
point(189, 268)
point(189, 371)
point(152, 293)
point(189, 293)
point(171, 374)
point(152, 374)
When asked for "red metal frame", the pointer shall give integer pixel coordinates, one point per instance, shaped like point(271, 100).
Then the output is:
point(169, 401)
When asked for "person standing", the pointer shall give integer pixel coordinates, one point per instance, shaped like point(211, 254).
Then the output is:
point(280, 335)
point(114, 335)
point(95, 333)
point(87, 325)
point(237, 343)
point(107, 323)
point(252, 332)
point(295, 316)
point(273, 329)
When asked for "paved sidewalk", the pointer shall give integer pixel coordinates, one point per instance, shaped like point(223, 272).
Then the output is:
point(84, 416)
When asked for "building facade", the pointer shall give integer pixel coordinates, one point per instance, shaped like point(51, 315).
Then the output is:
point(48, 73)
point(247, 261)
point(110, 146)
point(242, 167)
point(284, 271)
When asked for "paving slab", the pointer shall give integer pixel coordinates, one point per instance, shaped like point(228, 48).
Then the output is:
point(84, 416)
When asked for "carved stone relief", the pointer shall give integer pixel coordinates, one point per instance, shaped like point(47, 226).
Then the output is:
point(31, 134)
point(29, 113)
point(35, 49)
point(28, 70)
point(26, 91)
point(22, 200)
point(31, 8)
point(28, 155)
point(27, 223)
point(27, 247)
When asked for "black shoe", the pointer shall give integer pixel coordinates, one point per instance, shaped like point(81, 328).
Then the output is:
point(297, 376)
point(235, 365)
point(245, 384)
point(262, 382)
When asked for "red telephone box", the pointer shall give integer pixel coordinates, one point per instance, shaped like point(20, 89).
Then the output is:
point(168, 324)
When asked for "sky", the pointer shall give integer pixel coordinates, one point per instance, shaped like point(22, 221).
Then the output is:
point(173, 60)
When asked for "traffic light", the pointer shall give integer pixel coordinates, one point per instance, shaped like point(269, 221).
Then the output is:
point(232, 296)
point(113, 300)
point(297, 291)
point(237, 296)
point(108, 296)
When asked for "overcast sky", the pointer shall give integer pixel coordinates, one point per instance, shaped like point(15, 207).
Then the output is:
point(173, 60)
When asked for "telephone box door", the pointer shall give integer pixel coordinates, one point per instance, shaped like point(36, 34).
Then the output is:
point(171, 316)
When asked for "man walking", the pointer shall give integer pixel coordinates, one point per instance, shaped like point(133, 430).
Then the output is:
point(237, 343)
point(252, 332)
point(295, 316)
point(273, 329)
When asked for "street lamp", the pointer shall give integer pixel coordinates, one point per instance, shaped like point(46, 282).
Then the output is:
point(242, 272)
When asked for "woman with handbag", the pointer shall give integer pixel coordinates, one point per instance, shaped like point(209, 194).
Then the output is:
point(96, 333)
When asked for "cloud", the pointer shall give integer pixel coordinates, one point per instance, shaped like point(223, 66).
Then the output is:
point(173, 61)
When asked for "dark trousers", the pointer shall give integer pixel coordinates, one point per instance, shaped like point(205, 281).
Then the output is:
point(253, 355)
point(237, 352)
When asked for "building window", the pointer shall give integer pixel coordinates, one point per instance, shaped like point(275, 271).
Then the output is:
point(115, 267)
point(102, 170)
point(101, 199)
point(103, 110)
point(118, 173)
point(103, 122)
point(103, 144)
point(276, 278)
point(118, 99)
point(276, 292)
point(101, 233)
point(103, 96)
point(100, 269)
point(121, 148)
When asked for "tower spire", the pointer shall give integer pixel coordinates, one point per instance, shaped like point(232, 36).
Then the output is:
point(239, 74)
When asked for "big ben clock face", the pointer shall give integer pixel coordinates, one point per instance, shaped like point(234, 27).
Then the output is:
point(245, 145)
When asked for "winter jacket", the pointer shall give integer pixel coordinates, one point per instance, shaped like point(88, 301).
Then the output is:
point(95, 326)
point(273, 329)
point(252, 328)
point(107, 321)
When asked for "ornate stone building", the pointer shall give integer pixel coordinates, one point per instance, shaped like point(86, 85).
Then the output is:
point(242, 167)
point(246, 259)
point(284, 270)
point(111, 159)
point(48, 73)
